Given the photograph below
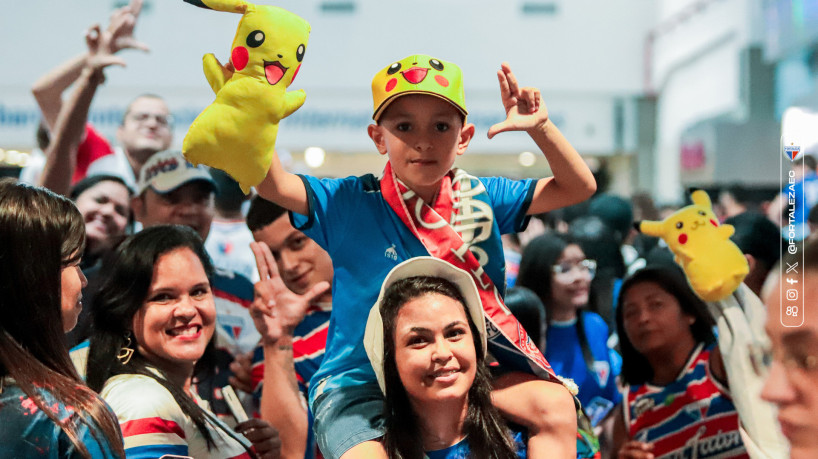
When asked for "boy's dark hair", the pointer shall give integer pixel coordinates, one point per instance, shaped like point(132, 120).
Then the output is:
point(484, 427)
point(529, 311)
point(636, 369)
point(262, 213)
point(756, 235)
point(229, 196)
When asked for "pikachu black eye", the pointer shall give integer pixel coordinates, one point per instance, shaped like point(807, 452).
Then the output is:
point(299, 53)
point(255, 39)
point(393, 69)
point(436, 64)
point(701, 212)
point(679, 225)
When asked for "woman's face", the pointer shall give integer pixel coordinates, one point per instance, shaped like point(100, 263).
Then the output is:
point(570, 288)
point(434, 349)
point(653, 319)
point(105, 208)
point(175, 324)
point(72, 282)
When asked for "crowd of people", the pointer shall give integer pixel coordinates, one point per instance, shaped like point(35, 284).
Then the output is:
point(423, 313)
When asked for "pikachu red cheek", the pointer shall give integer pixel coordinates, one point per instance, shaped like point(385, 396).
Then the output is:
point(239, 57)
point(682, 238)
point(390, 85)
point(442, 81)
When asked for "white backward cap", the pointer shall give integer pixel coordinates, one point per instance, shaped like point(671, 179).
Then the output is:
point(420, 266)
point(167, 170)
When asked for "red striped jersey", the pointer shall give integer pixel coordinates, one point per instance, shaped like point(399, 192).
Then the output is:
point(692, 416)
point(153, 424)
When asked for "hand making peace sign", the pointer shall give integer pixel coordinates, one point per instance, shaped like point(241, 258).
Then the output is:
point(276, 310)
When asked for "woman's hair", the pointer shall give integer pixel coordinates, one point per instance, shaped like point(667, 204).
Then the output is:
point(485, 429)
point(529, 311)
point(40, 234)
point(128, 276)
point(536, 273)
point(91, 181)
point(635, 367)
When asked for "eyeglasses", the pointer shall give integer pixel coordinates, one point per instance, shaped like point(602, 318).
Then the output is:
point(563, 270)
point(161, 120)
point(761, 358)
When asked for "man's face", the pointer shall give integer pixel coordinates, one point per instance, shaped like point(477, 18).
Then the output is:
point(301, 262)
point(191, 204)
point(146, 128)
point(793, 377)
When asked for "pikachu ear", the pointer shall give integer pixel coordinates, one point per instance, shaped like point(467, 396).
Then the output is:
point(701, 198)
point(229, 6)
point(651, 228)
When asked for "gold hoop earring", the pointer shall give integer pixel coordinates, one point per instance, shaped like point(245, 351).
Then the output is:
point(126, 352)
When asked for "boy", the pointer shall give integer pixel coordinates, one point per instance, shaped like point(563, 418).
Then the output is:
point(420, 207)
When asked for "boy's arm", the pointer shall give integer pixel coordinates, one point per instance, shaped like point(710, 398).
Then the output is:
point(572, 182)
point(284, 188)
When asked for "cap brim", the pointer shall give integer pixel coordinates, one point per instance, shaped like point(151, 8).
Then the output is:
point(169, 189)
point(420, 266)
point(383, 106)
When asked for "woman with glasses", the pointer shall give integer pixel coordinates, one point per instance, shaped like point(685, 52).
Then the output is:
point(677, 403)
point(555, 268)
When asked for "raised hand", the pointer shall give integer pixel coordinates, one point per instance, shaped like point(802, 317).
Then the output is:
point(119, 34)
point(276, 310)
point(524, 107)
point(98, 57)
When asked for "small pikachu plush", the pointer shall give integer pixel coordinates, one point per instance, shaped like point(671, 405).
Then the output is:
point(237, 132)
point(713, 264)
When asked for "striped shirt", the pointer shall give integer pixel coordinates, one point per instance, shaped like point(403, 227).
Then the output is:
point(153, 424)
point(692, 416)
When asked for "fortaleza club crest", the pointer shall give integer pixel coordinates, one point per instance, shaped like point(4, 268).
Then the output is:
point(791, 151)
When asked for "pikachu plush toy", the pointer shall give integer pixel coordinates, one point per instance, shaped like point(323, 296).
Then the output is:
point(237, 132)
point(714, 265)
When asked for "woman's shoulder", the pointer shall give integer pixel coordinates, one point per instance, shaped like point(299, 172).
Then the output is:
point(136, 396)
point(28, 431)
point(594, 322)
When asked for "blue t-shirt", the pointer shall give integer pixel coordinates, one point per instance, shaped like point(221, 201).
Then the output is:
point(461, 449)
point(350, 219)
point(597, 389)
point(28, 432)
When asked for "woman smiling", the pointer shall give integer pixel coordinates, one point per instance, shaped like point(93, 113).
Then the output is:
point(154, 318)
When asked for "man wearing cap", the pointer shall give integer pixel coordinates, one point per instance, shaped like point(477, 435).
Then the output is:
point(173, 191)
point(422, 206)
point(146, 128)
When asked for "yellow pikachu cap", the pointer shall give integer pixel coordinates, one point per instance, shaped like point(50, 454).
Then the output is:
point(418, 74)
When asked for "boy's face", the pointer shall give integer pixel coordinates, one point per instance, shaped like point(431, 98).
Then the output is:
point(301, 262)
point(422, 135)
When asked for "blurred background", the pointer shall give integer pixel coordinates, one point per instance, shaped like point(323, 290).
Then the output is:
point(657, 95)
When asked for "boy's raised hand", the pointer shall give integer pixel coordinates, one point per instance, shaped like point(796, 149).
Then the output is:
point(276, 310)
point(525, 108)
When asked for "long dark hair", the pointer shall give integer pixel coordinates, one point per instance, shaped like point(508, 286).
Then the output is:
point(536, 273)
point(128, 277)
point(635, 367)
point(487, 433)
point(40, 234)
